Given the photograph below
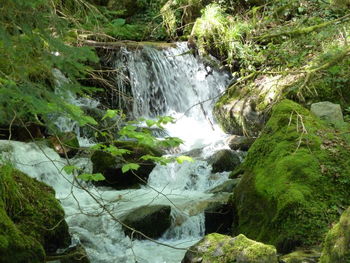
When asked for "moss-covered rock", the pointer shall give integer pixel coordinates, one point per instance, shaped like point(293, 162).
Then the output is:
point(31, 219)
point(336, 248)
point(302, 256)
point(217, 248)
point(296, 176)
point(242, 109)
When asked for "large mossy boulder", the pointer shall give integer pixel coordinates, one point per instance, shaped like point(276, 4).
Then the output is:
point(336, 248)
point(217, 248)
point(31, 219)
point(152, 221)
point(295, 177)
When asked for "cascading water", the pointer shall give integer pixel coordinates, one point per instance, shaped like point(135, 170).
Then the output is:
point(166, 82)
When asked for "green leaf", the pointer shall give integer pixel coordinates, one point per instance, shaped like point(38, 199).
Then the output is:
point(150, 123)
point(111, 114)
point(161, 160)
point(69, 169)
point(184, 158)
point(130, 166)
point(91, 177)
point(118, 22)
point(117, 151)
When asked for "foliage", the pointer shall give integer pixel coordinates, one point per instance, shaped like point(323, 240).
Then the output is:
point(133, 134)
point(32, 44)
point(224, 35)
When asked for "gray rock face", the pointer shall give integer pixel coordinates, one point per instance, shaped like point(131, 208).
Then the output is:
point(152, 221)
point(226, 249)
point(224, 160)
point(328, 111)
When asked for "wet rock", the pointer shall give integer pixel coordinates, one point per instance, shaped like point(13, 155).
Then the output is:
point(224, 160)
point(22, 133)
point(336, 248)
point(218, 218)
point(242, 143)
point(65, 144)
point(226, 186)
point(75, 254)
point(225, 249)
point(111, 166)
point(151, 220)
point(244, 109)
point(302, 256)
point(328, 111)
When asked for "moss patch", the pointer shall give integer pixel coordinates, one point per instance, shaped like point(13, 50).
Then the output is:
point(336, 246)
point(31, 219)
point(217, 248)
point(296, 176)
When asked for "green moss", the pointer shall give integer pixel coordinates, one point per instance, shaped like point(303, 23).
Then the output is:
point(31, 219)
point(296, 175)
point(217, 248)
point(336, 245)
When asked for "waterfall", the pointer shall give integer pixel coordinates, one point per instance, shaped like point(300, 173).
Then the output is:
point(168, 81)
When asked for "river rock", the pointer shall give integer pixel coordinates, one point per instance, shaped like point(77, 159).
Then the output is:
point(151, 220)
point(279, 200)
point(224, 160)
point(111, 166)
point(242, 143)
point(65, 144)
point(302, 256)
point(22, 133)
point(32, 221)
point(328, 111)
point(225, 249)
point(225, 187)
point(336, 248)
point(218, 218)
point(73, 254)
point(242, 110)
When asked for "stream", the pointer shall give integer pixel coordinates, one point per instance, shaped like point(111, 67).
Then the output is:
point(166, 81)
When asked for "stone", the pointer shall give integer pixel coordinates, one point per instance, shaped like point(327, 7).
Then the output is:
point(218, 218)
point(152, 220)
point(302, 256)
point(336, 247)
point(65, 144)
point(29, 132)
point(242, 143)
point(243, 110)
point(111, 166)
point(224, 160)
point(279, 200)
point(328, 111)
point(217, 248)
point(226, 186)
